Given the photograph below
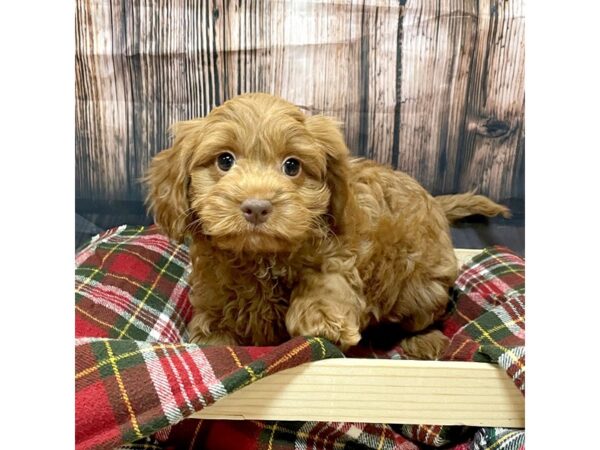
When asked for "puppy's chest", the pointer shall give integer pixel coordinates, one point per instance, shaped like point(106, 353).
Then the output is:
point(258, 299)
point(271, 282)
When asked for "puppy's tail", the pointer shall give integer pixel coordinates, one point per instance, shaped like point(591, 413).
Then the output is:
point(458, 206)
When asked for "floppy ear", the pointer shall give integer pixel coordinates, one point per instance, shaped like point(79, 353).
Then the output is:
point(167, 180)
point(327, 133)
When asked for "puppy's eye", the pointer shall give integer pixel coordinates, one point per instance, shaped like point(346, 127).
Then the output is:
point(225, 161)
point(291, 167)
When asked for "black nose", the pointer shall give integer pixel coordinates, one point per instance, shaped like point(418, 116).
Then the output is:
point(256, 211)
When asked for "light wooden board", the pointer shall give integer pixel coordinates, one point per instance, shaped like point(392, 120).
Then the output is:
point(380, 391)
point(465, 254)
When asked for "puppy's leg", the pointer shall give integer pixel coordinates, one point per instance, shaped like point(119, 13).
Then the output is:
point(427, 345)
point(428, 301)
point(199, 327)
point(326, 305)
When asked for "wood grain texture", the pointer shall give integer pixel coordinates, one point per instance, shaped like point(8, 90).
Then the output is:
point(494, 132)
point(433, 88)
point(379, 391)
point(437, 49)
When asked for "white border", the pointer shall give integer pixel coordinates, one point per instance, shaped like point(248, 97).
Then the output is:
point(563, 125)
point(37, 185)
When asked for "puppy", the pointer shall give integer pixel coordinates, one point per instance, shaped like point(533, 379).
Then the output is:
point(291, 236)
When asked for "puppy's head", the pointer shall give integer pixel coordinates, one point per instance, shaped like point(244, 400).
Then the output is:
point(254, 175)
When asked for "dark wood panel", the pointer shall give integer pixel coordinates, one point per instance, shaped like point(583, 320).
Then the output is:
point(433, 88)
point(494, 128)
point(438, 43)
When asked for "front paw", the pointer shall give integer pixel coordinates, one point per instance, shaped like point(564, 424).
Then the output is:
point(213, 339)
point(204, 332)
point(197, 336)
point(338, 326)
point(429, 345)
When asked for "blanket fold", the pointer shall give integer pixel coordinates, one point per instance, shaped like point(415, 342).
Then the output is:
point(127, 390)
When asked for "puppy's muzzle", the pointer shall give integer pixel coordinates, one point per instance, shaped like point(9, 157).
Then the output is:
point(256, 211)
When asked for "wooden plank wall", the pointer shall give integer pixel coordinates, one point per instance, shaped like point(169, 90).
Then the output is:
point(434, 88)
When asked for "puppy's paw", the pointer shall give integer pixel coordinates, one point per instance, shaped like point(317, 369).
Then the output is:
point(342, 330)
point(428, 345)
point(212, 339)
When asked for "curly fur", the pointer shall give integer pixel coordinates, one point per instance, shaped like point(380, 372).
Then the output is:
point(349, 242)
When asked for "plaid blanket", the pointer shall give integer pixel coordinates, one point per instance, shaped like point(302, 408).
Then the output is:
point(137, 379)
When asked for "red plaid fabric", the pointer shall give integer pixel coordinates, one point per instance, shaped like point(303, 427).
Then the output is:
point(137, 379)
point(288, 435)
point(131, 283)
point(488, 319)
point(127, 390)
point(487, 324)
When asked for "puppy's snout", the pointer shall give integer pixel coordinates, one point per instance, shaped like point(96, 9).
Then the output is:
point(256, 211)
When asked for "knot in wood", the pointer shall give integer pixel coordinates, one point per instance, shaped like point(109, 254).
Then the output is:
point(490, 127)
